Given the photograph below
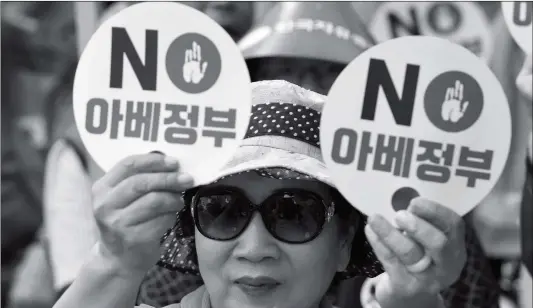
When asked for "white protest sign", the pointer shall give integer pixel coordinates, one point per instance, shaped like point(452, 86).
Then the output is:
point(415, 116)
point(518, 16)
point(463, 22)
point(161, 76)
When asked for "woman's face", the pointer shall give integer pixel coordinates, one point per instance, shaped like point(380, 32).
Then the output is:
point(313, 75)
point(304, 271)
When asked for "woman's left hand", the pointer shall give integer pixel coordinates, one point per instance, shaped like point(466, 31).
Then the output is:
point(426, 229)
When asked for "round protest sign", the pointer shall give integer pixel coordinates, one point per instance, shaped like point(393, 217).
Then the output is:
point(415, 116)
point(461, 22)
point(518, 17)
point(174, 82)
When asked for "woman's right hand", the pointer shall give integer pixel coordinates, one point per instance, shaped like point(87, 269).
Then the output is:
point(135, 203)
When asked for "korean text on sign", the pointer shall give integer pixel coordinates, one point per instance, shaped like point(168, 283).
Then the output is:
point(180, 124)
point(432, 161)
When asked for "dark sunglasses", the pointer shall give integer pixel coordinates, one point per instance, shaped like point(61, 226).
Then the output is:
point(294, 216)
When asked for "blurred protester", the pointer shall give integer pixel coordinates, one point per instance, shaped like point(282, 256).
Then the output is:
point(305, 43)
point(236, 17)
point(70, 230)
point(496, 219)
point(21, 162)
point(525, 85)
point(69, 226)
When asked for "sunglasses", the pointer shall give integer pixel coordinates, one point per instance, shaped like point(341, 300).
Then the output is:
point(293, 216)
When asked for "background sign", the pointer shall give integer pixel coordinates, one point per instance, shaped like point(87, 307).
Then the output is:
point(462, 22)
point(175, 83)
point(518, 17)
point(415, 116)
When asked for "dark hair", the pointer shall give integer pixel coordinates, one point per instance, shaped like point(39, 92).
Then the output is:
point(348, 217)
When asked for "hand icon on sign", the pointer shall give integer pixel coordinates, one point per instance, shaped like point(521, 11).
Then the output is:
point(453, 108)
point(192, 72)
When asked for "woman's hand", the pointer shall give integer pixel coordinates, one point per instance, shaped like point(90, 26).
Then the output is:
point(426, 228)
point(135, 203)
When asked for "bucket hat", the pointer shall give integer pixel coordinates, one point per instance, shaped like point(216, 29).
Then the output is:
point(282, 142)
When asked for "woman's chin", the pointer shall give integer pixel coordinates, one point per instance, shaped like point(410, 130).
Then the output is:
point(256, 296)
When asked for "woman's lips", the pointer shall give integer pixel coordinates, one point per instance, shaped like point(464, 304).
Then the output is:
point(257, 285)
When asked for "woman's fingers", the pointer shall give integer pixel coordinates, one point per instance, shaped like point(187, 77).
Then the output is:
point(407, 250)
point(151, 206)
point(145, 163)
point(432, 239)
point(445, 219)
point(143, 232)
point(388, 259)
point(142, 184)
point(442, 233)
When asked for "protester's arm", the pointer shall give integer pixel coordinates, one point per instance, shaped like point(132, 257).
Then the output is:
point(425, 229)
point(102, 283)
point(70, 229)
point(134, 204)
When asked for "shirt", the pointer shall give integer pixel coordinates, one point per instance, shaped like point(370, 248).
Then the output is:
point(200, 299)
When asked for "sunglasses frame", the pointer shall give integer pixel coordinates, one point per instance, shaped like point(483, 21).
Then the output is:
point(329, 211)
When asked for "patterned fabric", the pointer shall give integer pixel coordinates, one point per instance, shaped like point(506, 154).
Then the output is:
point(288, 120)
point(162, 287)
point(476, 287)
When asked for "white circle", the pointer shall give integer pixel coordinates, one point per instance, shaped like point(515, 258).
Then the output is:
point(231, 92)
point(371, 191)
point(522, 30)
point(396, 19)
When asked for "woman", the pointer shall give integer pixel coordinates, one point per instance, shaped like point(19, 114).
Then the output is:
point(302, 237)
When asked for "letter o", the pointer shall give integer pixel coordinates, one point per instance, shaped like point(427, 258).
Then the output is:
point(449, 8)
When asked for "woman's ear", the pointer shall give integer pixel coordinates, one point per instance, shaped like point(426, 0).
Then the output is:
point(346, 241)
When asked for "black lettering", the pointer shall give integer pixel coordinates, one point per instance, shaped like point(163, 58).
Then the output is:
point(121, 45)
point(444, 10)
point(395, 24)
point(338, 140)
point(522, 17)
point(378, 76)
point(90, 116)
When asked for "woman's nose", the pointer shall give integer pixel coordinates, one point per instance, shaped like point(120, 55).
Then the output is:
point(256, 244)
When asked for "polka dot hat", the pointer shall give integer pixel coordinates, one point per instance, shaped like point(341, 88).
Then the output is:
point(282, 142)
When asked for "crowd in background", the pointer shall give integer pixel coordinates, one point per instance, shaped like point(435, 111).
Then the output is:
point(47, 173)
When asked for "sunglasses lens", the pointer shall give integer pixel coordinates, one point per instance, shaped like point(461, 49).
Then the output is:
point(294, 217)
point(221, 215)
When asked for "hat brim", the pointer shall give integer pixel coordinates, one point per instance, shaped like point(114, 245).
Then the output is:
point(254, 157)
